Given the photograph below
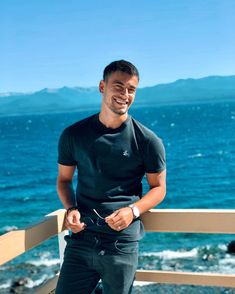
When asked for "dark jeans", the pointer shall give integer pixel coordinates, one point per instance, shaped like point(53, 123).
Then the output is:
point(90, 257)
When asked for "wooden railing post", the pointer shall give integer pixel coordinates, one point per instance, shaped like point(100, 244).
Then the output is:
point(62, 245)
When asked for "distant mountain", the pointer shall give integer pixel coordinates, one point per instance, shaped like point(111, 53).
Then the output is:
point(213, 88)
point(49, 100)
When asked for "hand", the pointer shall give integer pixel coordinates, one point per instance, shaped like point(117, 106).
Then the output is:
point(73, 222)
point(120, 219)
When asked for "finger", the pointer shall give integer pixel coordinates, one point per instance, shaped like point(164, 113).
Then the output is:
point(116, 228)
point(70, 220)
point(111, 216)
point(76, 218)
point(77, 230)
point(118, 224)
point(77, 227)
point(73, 220)
point(114, 219)
point(80, 226)
point(119, 228)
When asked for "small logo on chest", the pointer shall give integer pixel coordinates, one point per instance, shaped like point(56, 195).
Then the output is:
point(125, 153)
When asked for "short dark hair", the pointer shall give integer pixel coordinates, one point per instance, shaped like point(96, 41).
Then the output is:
point(120, 65)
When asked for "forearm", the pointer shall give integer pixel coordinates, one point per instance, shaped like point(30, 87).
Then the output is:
point(122, 218)
point(66, 193)
point(152, 198)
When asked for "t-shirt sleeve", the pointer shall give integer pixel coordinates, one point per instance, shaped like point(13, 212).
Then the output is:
point(65, 149)
point(154, 157)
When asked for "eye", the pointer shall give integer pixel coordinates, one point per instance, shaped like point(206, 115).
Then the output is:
point(131, 91)
point(118, 88)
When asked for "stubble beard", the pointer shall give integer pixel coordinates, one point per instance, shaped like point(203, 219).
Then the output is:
point(118, 111)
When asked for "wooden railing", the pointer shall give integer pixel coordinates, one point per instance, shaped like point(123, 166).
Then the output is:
point(156, 220)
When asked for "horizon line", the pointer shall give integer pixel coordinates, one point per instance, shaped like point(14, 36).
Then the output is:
point(13, 92)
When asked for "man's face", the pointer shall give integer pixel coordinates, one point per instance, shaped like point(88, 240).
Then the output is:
point(119, 91)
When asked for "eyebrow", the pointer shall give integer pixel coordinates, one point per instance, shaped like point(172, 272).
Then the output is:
point(122, 84)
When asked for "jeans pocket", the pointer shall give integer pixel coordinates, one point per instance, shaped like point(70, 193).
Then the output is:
point(126, 247)
point(67, 238)
point(71, 240)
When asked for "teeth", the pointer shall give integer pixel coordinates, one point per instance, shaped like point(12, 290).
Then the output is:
point(120, 101)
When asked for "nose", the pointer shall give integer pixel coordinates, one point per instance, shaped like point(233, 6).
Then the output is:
point(125, 92)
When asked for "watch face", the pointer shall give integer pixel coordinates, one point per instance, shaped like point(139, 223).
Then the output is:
point(136, 211)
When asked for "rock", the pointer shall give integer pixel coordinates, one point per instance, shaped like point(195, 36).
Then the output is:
point(18, 286)
point(231, 247)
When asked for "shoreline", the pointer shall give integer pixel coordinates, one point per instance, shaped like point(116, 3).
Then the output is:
point(150, 288)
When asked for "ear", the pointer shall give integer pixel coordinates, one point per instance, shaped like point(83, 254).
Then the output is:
point(101, 86)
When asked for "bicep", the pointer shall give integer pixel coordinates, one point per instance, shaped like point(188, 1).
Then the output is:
point(156, 179)
point(65, 172)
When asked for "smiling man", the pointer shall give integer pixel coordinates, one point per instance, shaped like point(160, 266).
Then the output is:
point(111, 152)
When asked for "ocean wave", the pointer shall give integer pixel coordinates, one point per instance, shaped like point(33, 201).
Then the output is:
point(226, 265)
point(223, 247)
point(197, 251)
point(31, 284)
point(169, 254)
point(228, 260)
point(7, 229)
point(44, 262)
point(196, 155)
point(6, 285)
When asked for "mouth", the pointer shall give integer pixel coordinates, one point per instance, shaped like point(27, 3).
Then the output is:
point(120, 101)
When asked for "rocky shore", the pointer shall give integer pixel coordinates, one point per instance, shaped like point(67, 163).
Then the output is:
point(180, 289)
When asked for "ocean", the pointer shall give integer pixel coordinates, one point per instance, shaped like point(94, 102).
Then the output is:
point(200, 147)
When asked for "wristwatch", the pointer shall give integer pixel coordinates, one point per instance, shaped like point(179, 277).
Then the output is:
point(135, 211)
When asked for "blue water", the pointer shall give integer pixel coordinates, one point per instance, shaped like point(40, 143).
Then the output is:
point(200, 146)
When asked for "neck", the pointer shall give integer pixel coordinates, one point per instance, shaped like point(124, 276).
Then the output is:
point(112, 120)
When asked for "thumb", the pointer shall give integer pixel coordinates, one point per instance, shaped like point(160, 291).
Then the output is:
point(73, 217)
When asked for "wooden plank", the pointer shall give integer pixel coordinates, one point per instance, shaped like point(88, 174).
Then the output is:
point(17, 242)
point(14, 243)
point(190, 220)
point(186, 278)
point(164, 277)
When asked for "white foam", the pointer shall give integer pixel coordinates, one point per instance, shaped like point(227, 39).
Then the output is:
point(154, 123)
point(169, 254)
point(223, 247)
point(223, 268)
point(6, 285)
point(44, 262)
point(9, 228)
point(31, 284)
point(195, 155)
point(228, 260)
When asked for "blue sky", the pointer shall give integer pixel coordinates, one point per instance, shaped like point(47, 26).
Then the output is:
point(68, 43)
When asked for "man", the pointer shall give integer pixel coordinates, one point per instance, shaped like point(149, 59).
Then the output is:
point(111, 152)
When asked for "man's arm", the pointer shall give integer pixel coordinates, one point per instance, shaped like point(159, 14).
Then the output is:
point(67, 197)
point(64, 185)
point(157, 192)
point(122, 218)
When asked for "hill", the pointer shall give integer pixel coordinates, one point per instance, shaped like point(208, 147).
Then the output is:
point(213, 88)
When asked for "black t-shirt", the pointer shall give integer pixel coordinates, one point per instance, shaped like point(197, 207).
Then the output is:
point(110, 165)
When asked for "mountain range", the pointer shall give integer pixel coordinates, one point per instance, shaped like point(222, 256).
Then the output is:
point(208, 89)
